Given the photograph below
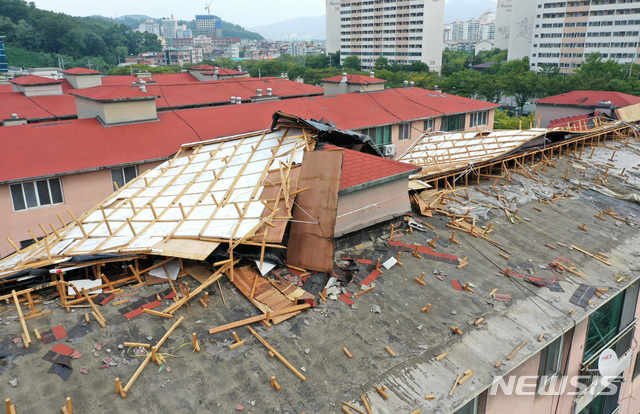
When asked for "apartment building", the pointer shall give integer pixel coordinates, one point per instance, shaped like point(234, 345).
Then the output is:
point(563, 33)
point(403, 31)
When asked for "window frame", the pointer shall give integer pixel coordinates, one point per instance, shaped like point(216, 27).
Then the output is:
point(122, 176)
point(428, 125)
point(557, 361)
point(52, 193)
point(405, 131)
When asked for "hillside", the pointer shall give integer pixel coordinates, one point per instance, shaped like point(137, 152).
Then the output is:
point(58, 35)
point(228, 29)
point(301, 28)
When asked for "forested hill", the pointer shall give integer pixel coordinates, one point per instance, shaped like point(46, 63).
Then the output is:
point(228, 29)
point(29, 29)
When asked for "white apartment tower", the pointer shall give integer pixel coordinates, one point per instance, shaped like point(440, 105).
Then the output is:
point(562, 33)
point(403, 31)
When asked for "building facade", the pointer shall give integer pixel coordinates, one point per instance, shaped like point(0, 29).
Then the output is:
point(150, 27)
point(208, 25)
point(563, 33)
point(403, 31)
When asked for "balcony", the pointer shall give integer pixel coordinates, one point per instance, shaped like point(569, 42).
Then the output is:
point(590, 378)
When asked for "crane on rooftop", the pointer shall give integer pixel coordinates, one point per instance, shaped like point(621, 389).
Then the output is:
point(207, 7)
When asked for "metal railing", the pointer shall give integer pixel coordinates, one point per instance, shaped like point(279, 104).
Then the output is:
point(620, 343)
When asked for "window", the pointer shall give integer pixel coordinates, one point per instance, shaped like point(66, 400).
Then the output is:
point(379, 135)
point(452, 123)
point(428, 125)
point(33, 194)
point(121, 176)
point(478, 118)
point(636, 367)
point(469, 408)
point(405, 131)
point(550, 359)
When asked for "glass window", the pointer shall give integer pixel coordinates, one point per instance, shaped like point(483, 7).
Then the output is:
point(428, 125)
point(121, 176)
point(604, 325)
point(34, 194)
point(452, 123)
point(405, 131)
point(478, 118)
point(550, 359)
point(469, 408)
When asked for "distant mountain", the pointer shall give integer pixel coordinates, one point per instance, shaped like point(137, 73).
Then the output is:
point(300, 28)
point(467, 9)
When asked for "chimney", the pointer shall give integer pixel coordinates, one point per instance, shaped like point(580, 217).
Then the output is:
point(269, 90)
point(411, 84)
point(344, 77)
point(233, 99)
point(405, 83)
point(14, 120)
point(216, 71)
point(142, 86)
point(371, 74)
point(238, 100)
point(258, 92)
point(239, 68)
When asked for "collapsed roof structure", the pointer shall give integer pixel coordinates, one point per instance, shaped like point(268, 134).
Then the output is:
point(251, 195)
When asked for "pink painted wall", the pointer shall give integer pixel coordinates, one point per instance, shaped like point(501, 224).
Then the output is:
point(500, 403)
point(371, 205)
point(81, 192)
point(549, 113)
point(630, 391)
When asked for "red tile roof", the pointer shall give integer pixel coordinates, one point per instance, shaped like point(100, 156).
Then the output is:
point(54, 148)
point(202, 67)
point(158, 78)
point(81, 71)
point(33, 80)
point(360, 168)
point(590, 98)
point(575, 123)
point(354, 79)
point(112, 93)
point(221, 71)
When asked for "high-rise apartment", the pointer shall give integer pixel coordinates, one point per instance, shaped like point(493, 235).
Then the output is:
point(403, 31)
point(208, 25)
point(563, 33)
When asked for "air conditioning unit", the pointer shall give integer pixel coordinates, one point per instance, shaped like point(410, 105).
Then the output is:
point(389, 150)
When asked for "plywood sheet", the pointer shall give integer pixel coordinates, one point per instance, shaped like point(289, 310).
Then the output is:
point(314, 217)
point(187, 249)
point(198, 272)
point(270, 192)
point(629, 113)
point(266, 297)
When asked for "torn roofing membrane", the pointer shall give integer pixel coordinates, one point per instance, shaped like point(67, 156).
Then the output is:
point(209, 193)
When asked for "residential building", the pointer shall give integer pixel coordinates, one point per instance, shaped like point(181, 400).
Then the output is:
point(150, 27)
point(581, 103)
point(4, 68)
point(122, 116)
point(169, 27)
point(503, 23)
point(563, 33)
point(208, 25)
point(461, 35)
point(402, 31)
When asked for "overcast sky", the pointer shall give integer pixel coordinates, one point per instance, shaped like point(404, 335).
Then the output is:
point(247, 13)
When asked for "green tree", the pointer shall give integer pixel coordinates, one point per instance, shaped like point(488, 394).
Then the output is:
point(522, 86)
point(334, 60)
point(352, 62)
point(381, 63)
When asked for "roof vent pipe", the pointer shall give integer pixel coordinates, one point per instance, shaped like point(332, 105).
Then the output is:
point(233, 99)
point(216, 71)
point(238, 100)
point(14, 116)
point(269, 91)
point(411, 84)
point(142, 86)
point(406, 83)
point(371, 74)
point(344, 77)
point(239, 68)
point(259, 92)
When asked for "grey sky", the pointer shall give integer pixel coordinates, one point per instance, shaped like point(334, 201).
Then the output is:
point(247, 13)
